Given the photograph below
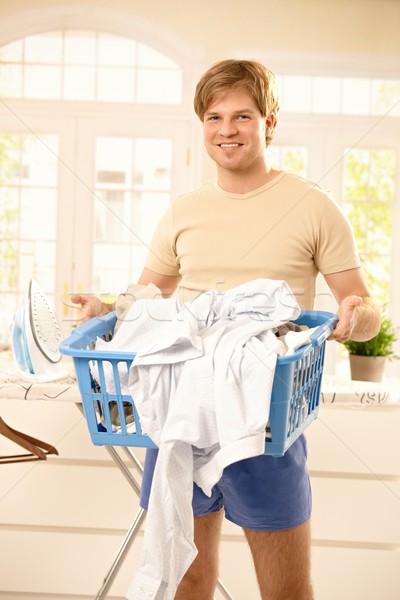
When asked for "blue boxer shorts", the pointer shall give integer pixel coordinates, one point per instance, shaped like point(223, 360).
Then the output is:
point(263, 493)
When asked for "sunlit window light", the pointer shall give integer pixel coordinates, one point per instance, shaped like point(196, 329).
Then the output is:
point(88, 66)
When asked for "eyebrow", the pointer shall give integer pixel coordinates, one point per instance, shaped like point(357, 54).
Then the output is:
point(236, 112)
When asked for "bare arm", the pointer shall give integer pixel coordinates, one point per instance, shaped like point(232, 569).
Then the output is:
point(166, 283)
point(359, 316)
point(91, 306)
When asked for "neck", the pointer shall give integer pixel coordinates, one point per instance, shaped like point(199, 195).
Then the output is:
point(242, 182)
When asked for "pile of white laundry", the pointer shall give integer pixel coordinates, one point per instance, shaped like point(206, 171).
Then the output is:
point(201, 381)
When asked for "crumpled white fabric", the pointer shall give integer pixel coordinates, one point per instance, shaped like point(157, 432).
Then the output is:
point(201, 381)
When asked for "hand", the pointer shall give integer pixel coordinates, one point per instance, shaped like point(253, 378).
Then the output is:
point(348, 315)
point(91, 306)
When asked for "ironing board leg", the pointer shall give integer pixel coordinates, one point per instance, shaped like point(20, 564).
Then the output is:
point(123, 468)
point(139, 466)
point(130, 536)
point(135, 525)
point(223, 590)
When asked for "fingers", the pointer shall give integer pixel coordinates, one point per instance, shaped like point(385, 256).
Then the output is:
point(348, 314)
point(86, 306)
point(76, 298)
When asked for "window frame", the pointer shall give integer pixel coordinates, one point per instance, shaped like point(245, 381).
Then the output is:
point(73, 116)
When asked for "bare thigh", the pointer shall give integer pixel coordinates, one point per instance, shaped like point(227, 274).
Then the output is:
point(282, 562)
point(201, 578)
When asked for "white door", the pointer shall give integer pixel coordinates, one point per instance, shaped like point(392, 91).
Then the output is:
point(80, 198)
point(36, 207)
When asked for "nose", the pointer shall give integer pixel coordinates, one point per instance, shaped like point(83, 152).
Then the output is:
point(227, 128)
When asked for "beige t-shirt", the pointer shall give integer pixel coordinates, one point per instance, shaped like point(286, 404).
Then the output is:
point(287, 229)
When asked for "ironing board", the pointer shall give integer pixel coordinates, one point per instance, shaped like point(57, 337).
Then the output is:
point(334, 392)
point(66, 390)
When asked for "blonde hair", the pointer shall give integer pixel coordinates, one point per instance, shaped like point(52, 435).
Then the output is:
point(230, 75)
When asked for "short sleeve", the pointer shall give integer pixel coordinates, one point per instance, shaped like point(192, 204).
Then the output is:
point(336, 249)
point(161, 257)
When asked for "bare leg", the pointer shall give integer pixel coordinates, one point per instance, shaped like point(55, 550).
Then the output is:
point(282, 562)
point(201, 578)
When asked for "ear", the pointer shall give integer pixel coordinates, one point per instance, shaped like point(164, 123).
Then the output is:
point(269, 127)
point(270, 121)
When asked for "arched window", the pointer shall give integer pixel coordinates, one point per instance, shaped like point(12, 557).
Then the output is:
point(88, 65)
point(95, 134)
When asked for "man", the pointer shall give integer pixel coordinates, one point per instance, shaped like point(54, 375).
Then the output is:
point(254, 222)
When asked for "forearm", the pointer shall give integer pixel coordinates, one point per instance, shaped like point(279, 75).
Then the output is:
point(367, 320)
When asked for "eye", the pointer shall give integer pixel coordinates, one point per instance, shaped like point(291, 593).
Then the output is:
point(243, 117)
point(212, 118)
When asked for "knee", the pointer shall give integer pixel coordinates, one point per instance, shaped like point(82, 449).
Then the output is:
point(198, 584)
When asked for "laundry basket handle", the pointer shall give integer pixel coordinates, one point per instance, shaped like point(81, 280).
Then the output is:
point(323, 331)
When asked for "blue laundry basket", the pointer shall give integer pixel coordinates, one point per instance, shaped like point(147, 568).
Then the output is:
point(294, 401)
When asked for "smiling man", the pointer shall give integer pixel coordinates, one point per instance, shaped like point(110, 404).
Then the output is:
point(234, 135)
point(253, 222)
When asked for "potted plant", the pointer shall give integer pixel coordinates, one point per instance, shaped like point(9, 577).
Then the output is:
point(368, 359)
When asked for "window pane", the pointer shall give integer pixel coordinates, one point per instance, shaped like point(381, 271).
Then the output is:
point(79, 83)
point(9, 262)
point(378, 275)
point(80, 48)
point(133, 191)
point(379, 228)
point(356, 173)
point(112, 209)
point(42, 82)
point(159, 87)
point(372, 226)
point(116, 51)
point(382, 175)
point(110, 262)
point(326, 95)
point(12, 52)
point(291, 158)
point(44, 48)
point(356, 96)
point(10, 156)
point(86, 65)
point(35, 203)
point(28, 209)
point(369, 176)
point(115, 266)
point(45, 262)
point(11, 81)
point(115, 84)
point(386, 98)
point(150, 57)
point(296, 93)
point(39, 160)
point(151, 207)
point(26, 263)
point(114, 159)
point(9, 212)
point(153, 160)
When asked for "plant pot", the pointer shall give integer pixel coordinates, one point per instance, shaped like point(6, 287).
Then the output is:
point(367, 368)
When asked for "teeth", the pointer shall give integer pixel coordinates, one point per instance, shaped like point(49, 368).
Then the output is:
point(229, 145)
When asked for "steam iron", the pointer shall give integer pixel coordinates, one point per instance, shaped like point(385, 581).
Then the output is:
point(36, 335)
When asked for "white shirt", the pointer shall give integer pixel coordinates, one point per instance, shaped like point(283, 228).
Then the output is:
point(202, 382)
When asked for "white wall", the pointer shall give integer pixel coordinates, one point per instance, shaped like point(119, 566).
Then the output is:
point(368, 26)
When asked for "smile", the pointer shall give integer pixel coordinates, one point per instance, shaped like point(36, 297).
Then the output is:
point(229, 145)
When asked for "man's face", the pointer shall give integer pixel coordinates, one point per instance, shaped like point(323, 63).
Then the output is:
point(234, 132)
